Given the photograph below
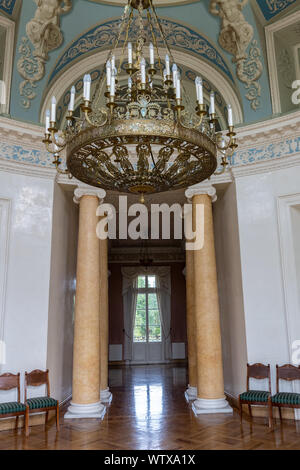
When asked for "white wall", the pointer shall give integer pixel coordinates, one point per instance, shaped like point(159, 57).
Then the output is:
point(25, 295)
point(230, 290)
point(62, 292)
point(265, 283)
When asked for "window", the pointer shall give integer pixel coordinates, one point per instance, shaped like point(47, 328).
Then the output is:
point(147, 327)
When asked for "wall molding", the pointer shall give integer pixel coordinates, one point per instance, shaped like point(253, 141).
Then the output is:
point(5, 218)
point(270, 30)
point(9, 26)
point(291, 297)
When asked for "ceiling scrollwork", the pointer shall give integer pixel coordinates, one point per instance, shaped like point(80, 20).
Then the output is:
point(44, 34)
point(236, 37)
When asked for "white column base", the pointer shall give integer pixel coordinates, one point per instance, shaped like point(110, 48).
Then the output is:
point(190, 393)
point(206, 406)
point(106, 396)
point(93, 410)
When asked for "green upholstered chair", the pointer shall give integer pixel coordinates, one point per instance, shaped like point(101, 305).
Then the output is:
point(255, 397)
point(36, 378)
point(289, 373)
point(14, 408)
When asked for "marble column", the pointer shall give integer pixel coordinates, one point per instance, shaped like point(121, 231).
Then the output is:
point(191, 392)
point(86, 353)
point(210, 382)
point(105, 394)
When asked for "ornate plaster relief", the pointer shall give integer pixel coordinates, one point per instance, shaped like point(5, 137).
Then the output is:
point(45, 35)
point(235, 37)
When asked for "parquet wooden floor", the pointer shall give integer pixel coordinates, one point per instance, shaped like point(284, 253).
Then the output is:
point(149, 412)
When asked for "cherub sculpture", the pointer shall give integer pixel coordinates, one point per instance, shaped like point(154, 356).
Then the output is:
point(236, 33)
point(44, 29)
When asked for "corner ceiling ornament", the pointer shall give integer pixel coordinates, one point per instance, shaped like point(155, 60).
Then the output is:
point(235, 37)
point(45, 35)
point(140, 135)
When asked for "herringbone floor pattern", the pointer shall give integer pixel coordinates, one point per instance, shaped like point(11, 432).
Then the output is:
point(149, 412)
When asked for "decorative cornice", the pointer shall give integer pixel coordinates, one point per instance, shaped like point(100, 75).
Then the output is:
point(11, 131)
point(201, 188)
point(276, 128)
point(266, 166)
point(81, 191)
point(27, 169)
point(263, 146)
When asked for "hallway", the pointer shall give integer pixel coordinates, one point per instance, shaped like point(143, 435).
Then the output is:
point(149, 412)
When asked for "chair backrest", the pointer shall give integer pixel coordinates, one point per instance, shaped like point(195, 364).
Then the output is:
point(36, 378)
point(9, 381)
point(258, 371)
point(286, 372)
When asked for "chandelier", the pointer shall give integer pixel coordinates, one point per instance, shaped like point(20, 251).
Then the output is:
point(140, 132)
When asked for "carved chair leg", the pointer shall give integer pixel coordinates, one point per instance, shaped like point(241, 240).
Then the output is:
point(17, 422)
point(280, 413)
point(57, 417)
point(270, 413)
point(26, 422)
point(241, 410)
point(250, 411)
point(46, 417)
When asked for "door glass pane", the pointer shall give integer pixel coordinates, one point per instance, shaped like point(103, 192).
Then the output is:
point(151, 282)
point(140, 329)
point(152, 301)
point(141, 282)
point(154, 333)
point(154, 326)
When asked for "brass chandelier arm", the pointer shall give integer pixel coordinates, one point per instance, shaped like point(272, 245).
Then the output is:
point(99, 89)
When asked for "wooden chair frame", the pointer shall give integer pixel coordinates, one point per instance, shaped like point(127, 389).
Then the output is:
point(36, 378)
point(9, 382)
point(255, 371)
point(289, 373)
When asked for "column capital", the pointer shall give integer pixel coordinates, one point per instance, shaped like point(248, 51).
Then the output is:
point(81, 191)
point(202, 188)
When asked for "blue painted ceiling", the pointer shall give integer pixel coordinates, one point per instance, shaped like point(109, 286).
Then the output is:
point(86, 15)
point(7, 6)
point(271, 8)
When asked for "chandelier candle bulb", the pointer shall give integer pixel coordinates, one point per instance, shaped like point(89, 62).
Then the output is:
point(212, 104)
point(113, 63)
point(143, 71)
point(151, 49)
point(178, 86)
point(230, 116)
point(199, 90)
point(72, 99)
point(47, 121)
point(168, 65)
point(87, 87)
point(113, 85)
point(108, 73)
point(174, 72)
point(53, 109)
point(130, 55)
